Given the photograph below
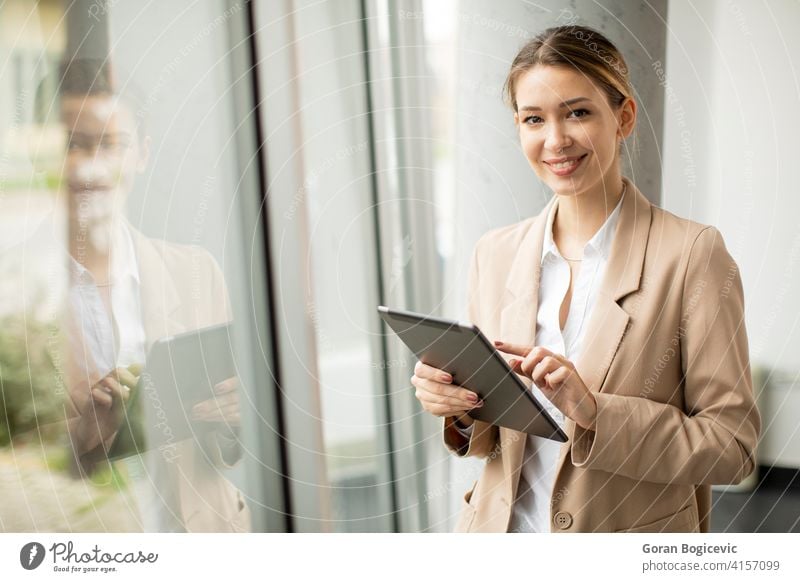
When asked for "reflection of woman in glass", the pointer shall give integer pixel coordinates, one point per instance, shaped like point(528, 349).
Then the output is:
point(624, 319)
point(125, 292)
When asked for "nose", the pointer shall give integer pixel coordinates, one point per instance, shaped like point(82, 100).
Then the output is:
point(89, 171)
point(558, 138)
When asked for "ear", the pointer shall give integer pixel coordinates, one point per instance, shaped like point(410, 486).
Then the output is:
point(144, 154)
point(516, 119)
point(626, 118)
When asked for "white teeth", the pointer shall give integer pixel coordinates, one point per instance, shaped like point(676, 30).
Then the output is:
point(567, 164)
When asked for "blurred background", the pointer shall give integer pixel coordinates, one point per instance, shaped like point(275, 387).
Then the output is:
point(333, 156)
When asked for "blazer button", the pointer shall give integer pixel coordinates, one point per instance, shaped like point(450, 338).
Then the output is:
point(563, 520)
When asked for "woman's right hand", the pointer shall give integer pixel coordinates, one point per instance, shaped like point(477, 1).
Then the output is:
point(439, 396)
point(104, 413)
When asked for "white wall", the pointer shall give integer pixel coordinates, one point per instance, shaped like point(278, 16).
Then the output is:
point(730, 158)
point(734, 70)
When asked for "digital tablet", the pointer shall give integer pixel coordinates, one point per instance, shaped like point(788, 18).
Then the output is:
point(180, 371)
point(464, 352)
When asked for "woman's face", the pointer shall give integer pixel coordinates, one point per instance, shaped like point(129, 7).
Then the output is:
point(104, 154)
point(569, 131)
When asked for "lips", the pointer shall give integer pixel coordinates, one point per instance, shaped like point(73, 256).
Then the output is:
point(566, 165)
point(89, 188)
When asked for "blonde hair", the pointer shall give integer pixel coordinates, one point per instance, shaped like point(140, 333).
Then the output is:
point(580, 48)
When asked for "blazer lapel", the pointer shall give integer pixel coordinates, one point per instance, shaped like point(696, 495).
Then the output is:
point(160, 299)
point(609, 321)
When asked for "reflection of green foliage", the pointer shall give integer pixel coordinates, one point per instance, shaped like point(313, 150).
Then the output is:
point(108, 481)
point(45, 183)
point(29, 391)
point(108, 475)
point(57, 459)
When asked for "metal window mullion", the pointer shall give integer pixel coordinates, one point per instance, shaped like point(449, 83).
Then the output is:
point(406, 270)
point(287, 236)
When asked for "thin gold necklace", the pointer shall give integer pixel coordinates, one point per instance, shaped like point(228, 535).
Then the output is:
point(624, 188)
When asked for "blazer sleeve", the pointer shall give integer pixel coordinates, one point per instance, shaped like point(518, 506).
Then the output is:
point(221, 446)
point(713, 440)
point(483, 436)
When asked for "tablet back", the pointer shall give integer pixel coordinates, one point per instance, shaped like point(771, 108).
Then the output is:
point(465, 353)
point(180, 371)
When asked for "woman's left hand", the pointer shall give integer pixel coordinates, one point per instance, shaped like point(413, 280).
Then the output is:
point(223, 408)
point(558, 380)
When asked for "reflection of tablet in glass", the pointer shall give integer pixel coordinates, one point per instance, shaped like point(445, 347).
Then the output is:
point(465, 353)
point(180, 371)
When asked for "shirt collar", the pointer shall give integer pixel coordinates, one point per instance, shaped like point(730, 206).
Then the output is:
point(124, 266)
point(125, 263)
point(600, 242)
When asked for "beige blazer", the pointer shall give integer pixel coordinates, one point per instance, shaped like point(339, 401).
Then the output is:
point(666, 355)
point(182, 288)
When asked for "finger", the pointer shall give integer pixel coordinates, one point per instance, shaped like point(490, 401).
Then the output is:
point(229, 385)
point(119, 392)
point(467, 396)
point(557, 378)
point(208, 416)
point(229, 410)
point(231, 419)
point(533, 358)
point(515, 365)
point(228, 415)
point(223, 402)
point(431, 373)
point(125, 377)
point(546, 366)
point(515, 349)
point(135, 369)
point(226, 399)
point(102, 398)
point(428, 399)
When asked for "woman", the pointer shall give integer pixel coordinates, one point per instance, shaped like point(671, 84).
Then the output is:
point(638, 346)
point(123, 291)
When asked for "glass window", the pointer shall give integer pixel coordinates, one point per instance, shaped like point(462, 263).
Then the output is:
point(132, 372)
point(337, 217)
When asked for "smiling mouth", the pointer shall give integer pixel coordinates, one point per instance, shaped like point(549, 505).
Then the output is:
point(566, 163)
point(89, 188)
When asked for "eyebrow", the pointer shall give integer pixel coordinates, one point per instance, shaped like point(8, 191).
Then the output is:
point(563, 104)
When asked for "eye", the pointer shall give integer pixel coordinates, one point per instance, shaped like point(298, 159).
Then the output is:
point(532, 119)
point(579, 112)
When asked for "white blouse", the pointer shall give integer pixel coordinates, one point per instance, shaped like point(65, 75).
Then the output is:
point(531, 510)
point(117, 339)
